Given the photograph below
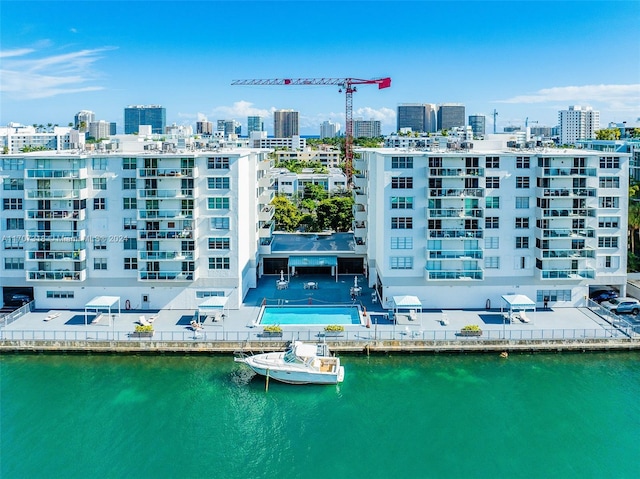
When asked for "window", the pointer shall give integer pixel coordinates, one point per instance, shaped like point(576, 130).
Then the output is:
point(400, 223)
point(218, 163)
point(99, 242)
point(131, 263)
point(492, 242)
point(220, 223)
point(13, 242)
point(607, 242)
point(219, 263)
point(14, 263)
point(401, 262)
point(493, 162)
point(492, 202)
point(99, 183)
point(13, 184)
point(99, 203)
point(609, 162)
point(522, 182)
point(401, 162)
point(523, 162)
point(99, 163)
point(15, 223)
point(609, 182)
point(218, 183)
point(60, 294)
point(401, 242)
point(608, 222)
point(218, 203)
point(522, 202)
point(609, 202)
point(492, 222)
point(12, 204)
point(553, 295)
point(522, 223)
point(12, 164)
point(99, 263)
point(492, 182)
point(522, 242)
point(219, 243)
point(209, 294)
point(130, 243)
point(402, 202)
point(401, 182)
point(128, 183)
point(129, 203)
point(129, 223)
point(492, 262)
point(435, 162)
point(129, 163)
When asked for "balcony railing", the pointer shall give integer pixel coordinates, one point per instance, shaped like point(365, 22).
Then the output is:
point(455, 213)
point(165, 193)
point(568, 253)
point(455, 275)
point(164, 172)
point(54, 194)
point(587, 212)
point(51, 173)
point(456, 171)
point(455, 233)
point(569, 172)
point(47, 235)
point(575, 274)
point(79, 255)
point(73, 215)
point(569, 233)
point(56, 275)
point(170, 234)
point(166, 214)
point(165, 276)
point(165, 255)
point(456, 192)
point(455, 254)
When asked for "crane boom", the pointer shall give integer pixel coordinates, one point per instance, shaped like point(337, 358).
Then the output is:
point(348, 84)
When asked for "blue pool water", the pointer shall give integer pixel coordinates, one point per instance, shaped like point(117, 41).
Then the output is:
point(309, 315)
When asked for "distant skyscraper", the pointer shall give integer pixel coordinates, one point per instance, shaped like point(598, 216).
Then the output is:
point(419, 117)
point(578, 123)
point(477, 124)
point(136, 115)
point(329, 129)
point(366, 129)
point(204, 127)
point(113, 128)
point(82, 119)
point(285, 123)
point(451, 115)
point(254, 123)
point(99, 129)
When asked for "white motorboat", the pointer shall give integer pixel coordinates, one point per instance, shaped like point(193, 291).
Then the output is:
point(301, 363)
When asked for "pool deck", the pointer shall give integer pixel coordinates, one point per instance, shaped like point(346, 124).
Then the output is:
point(431, 330)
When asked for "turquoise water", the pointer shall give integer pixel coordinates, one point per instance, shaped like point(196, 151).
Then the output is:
point(529, 416)
point(309, 315)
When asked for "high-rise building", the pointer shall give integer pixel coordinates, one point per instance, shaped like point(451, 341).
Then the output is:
point(285, 123)
point(113, 128)
point(366, 129)
point(578, 123)
point(204, 127)
point(477, 124)
point(99, 129)
point(451, 115)
point(254, 123)
point(420, 117)
point(136, 115)
point(229, 127)
point(82, 119)
point(329, 129)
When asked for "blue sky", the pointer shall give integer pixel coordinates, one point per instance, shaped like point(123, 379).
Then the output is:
point(526, 59)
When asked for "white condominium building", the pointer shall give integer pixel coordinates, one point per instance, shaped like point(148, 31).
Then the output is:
point(160, 230)
point(458, 229)
point(578, 123)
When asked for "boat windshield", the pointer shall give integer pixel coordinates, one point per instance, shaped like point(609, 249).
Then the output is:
point(289, 356)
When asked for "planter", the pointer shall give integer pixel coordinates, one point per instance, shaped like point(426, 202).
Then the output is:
point(470, 333)
point(332, 334)
point(143, 334)
point(271, 334)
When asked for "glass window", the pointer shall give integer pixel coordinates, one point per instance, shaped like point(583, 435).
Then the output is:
point(219, 243)
point(218, 203)
point(218, 183)
point(492, 202)
point(401, 162)
point(401, 262)
point(402, 202)
point(219, 263)
point(400, 223)
point(492, 182)
point(129, 203)
point(522, 223)
point(220, 223)
point(522, 182)
point(522, 202)
point(492, 222)
point(401, 242)
point(493, 162)
point(401, 182)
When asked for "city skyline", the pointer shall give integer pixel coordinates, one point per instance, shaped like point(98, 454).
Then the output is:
point(521, 58)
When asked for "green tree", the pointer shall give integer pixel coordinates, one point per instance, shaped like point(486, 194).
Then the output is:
point(335, 214)
point(286, 215)
point(315, 192)
point(608, 134)
point(634, 224)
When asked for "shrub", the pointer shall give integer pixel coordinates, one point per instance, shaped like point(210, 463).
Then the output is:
point(143, 329)
point(272, 328)
point(471, 327)
point(334, 327)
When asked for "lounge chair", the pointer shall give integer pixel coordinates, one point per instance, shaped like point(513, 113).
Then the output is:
point(413, 315)
point(523, 317)
point(143, 321)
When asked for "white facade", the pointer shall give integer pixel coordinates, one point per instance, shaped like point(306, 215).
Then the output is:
point(294, 143)
point(329, 129)
point(290, 184)
point(459, 229)
point(99, 129)
point(15, 137)
point(160, 230)
point(578, 123)
point(326, 156)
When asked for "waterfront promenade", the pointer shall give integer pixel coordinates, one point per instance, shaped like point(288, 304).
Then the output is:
point(430, 330)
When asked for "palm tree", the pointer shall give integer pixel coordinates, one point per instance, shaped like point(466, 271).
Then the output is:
point(634, 224)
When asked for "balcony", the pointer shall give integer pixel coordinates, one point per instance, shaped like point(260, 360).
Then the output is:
point(76, 255)
point(569, 212)
point(266, 230)
point(165, 193)
point(359, 212)
point(569, 233)
point(570, 274)
point(165, 275)
point(266, 213)
point(169, 234)
point(66, 194)
point(165, 172)
point(455, 233)
point(53, 235)
point(455, 254)
point(165, 255)
point(67, 215)
point(466, 275)
point(568, 253)
point(165, 214)
point(54, 173)
point(569, 172)
point(456, 192)
point(56, 275)
point(448, 172)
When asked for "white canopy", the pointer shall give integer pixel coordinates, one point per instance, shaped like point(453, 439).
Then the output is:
point(519, 302)
point(407, 302)
point(101, 303)
point(212, 305)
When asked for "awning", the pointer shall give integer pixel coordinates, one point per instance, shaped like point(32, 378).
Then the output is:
point(406, 302)
point(212, 306)
point(101, 303)
point(302, 261)
point(519, 302)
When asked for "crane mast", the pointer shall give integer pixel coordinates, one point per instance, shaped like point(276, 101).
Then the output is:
point(348, 85)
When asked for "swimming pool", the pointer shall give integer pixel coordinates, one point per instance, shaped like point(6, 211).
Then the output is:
point(321, 315)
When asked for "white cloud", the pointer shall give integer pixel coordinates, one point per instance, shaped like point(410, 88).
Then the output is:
point(615, 97)
point(27, 76)
point(240, 110)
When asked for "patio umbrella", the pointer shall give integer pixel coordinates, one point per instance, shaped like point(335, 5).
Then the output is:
point(355, 281)
point(281, 275)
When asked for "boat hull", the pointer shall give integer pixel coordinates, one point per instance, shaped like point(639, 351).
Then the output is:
point(300, 377)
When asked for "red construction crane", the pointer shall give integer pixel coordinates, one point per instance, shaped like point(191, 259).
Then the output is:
point(348, 85)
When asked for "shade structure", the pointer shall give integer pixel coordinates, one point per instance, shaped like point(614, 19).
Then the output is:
point(212, 306)
point(411, 303)
point(519, 302)
point(311, 261)
point(102, 303)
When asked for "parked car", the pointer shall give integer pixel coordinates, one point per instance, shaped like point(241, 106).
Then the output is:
point(20, 299)
point(622, 305)
point(603, 295)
